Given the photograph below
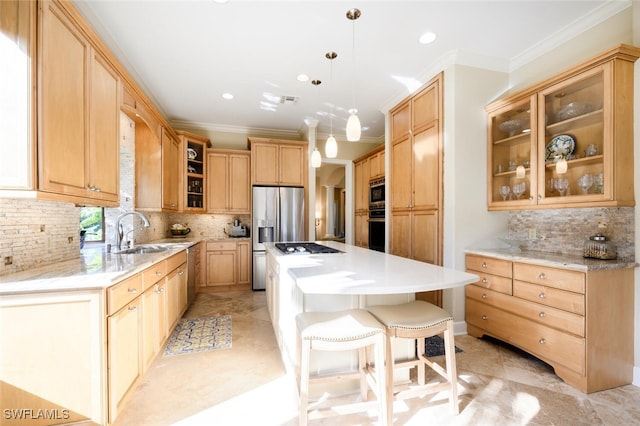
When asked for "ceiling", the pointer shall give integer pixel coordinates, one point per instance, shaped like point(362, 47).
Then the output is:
point(186, 54)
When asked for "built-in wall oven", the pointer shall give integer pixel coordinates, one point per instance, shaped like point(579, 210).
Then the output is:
point(376, 215)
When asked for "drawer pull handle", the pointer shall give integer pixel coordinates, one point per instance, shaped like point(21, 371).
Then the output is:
point(484, 317)
point(484, 264)
point(181, 273)
point(541, 314)
point(484, 295)
point(132, 290)
point(160, 290)
point(542, 296)
point(133, 308)
point(484, 281)
point(542, 341)
point(158, 273)
point(542, 276)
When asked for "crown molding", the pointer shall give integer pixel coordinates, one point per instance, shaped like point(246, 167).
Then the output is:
point(243, 130)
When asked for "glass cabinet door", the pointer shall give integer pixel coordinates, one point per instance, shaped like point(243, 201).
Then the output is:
point(575, 158)
point(511, 157)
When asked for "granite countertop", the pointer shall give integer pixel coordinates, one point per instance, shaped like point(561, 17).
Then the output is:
point(93, 269)
point(563, 260)
point(359, 271)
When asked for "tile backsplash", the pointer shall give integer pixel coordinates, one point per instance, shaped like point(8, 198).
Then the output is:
point(566, 230)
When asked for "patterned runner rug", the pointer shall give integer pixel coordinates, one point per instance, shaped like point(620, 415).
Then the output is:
point(200, 334)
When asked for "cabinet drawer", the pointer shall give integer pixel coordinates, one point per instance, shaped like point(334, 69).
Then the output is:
point(550, 296)
point(493, 282)
point(154, 273)
point(489, 265)
point(176, 260)
point(550, 277)
point(545, 342)
point(122, 293)
point(221, 245)
point(546, 315)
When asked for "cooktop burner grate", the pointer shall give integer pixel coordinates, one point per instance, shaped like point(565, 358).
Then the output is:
point(305, 248)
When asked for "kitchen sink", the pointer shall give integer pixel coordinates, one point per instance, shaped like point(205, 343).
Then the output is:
point(142, 250)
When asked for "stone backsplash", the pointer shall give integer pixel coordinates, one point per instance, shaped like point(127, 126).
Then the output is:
point(565, 230)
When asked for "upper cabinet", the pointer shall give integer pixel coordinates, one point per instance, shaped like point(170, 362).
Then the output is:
point(194, 181)
point(78, 104)
point(278, 162)
point(229, 181)
point(567, 142)
point(171, 172)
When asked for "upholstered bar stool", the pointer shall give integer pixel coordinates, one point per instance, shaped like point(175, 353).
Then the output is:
point(418, 320)
point(341, 331)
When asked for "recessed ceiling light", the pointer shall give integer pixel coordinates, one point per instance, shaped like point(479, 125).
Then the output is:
point(303, 77)
point(427, 38)
point(227, 96)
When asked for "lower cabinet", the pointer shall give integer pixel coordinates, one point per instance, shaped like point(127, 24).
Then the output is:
point(579, 322)
point(228, 265)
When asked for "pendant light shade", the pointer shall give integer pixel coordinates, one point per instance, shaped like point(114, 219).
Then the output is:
point(316, 159)
point(331, 147)
point(353, 128)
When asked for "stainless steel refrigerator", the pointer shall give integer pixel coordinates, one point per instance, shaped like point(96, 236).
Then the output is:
point(278, 215)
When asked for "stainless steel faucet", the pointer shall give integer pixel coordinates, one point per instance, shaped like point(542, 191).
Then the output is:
point(120, 228)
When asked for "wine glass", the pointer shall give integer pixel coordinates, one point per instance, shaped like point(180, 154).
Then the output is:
point(585, 182)
point(504, 191)
point(518, 189)
point(561, 185)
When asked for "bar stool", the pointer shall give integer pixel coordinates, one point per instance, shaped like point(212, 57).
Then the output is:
point(418, 320)
point(341, 331)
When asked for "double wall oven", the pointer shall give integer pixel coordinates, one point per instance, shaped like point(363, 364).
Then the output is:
point(376, 214)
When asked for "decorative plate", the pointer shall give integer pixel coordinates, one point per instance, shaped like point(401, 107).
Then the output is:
point(191, 154)
point(560, 146)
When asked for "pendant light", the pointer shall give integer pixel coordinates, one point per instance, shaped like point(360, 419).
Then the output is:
point(316, 159)
point(331, 146)
point(353, 123)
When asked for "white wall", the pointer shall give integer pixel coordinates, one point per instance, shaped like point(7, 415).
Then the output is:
point(466, 220)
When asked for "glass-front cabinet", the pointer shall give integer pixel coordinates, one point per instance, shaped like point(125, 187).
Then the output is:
point(195, 168)
point(568, 141)
point(512, 149)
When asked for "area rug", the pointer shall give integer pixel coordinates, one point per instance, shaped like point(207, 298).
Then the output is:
point(193, 335)
point(434, 346)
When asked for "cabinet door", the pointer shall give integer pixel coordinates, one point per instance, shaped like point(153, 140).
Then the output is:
point(359, 188)
point(401, 234)
point(401, 121)
point(124, 368)
point(577, 129)
point(221, 268)
point(424, 236)
point(149, 303)
point(244, 263)
point(401, 174)
point(426, 168)
point(292, 165)
point(104, 147)
point(264, 163)
point(173, 294)
point(170, 172)
point(63, 112)
point(424, 107)
point(239, 183)
point(512, 155)
point(217, 178)
point(182, 290)
point(362, 229)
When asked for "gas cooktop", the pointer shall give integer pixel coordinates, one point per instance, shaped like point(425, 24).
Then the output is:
point(305, 248)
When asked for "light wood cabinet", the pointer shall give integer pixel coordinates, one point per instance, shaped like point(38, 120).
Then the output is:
point(415, 178)
point(194, 177)
point(278, 162)
point(55, 358)
point(582, 116)
point(171, 172)
point(228, 265)
point(229, 177)
point(78, 101)
point(376, 164)
point(579, 322)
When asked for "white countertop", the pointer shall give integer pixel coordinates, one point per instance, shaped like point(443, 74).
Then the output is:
point(359, 271)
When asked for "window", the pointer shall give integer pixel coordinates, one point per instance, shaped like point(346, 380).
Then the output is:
point(92, 222)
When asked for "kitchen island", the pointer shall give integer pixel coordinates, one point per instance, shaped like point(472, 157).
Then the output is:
point(355, 277)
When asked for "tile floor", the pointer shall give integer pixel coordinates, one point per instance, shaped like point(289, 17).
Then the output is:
point(247, 384)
